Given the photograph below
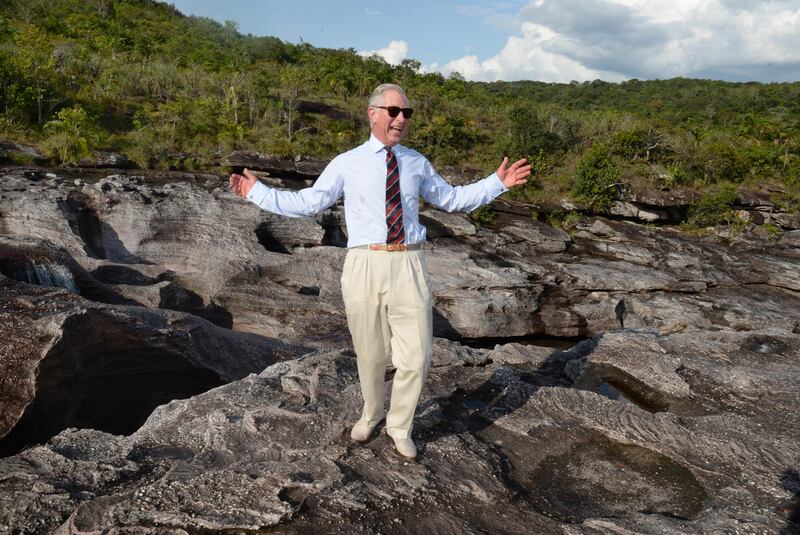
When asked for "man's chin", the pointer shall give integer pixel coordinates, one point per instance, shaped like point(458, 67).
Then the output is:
point(395, 137)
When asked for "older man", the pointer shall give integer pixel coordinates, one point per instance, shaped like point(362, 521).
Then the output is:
point(385, 283)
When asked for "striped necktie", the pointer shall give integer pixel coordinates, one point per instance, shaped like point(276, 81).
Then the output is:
point(394, 209)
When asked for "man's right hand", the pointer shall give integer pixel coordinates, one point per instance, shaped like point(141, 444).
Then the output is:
point(241, 185)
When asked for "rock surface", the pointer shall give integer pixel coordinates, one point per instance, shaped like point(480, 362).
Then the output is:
point(69, 362)
point(673, 415)
point(505, 447)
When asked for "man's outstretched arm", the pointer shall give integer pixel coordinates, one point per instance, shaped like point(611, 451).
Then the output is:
point(467, 198)
point(306, 202)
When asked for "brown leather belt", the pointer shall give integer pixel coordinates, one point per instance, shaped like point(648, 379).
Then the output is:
point(390, 247)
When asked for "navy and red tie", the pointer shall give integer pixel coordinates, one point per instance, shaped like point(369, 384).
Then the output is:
point(394, 208)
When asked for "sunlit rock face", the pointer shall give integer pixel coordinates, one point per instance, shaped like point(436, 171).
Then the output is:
point(173, 360)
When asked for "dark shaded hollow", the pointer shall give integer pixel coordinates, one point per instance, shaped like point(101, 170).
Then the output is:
point(89, 380)
point(334, 236)
point(100, 240)
point(114, 274)
point(174, 297)
point(268, 241)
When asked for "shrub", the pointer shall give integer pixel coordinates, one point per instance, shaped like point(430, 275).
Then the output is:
point(530, 135)
point(483, 215)
point(721, 160)
point(565, 220)
point(631, 144)
point(713, 208)
point(595, 180)
point(72, 135)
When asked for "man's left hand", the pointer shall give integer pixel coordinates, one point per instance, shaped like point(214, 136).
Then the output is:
point(514, 175)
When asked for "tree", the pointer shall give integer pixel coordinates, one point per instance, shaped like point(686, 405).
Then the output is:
point(35, 60)
point(529, 135)
point(294, 81)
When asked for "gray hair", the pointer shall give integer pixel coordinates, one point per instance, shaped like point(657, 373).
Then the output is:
point(376, 98)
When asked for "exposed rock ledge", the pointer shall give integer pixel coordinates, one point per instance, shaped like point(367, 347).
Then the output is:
point(675, 415)
point(509, 444)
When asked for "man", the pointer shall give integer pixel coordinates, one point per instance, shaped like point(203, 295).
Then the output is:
point(385, 282)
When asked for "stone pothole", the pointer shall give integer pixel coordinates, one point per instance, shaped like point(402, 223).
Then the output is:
point(104, 374)
point(581, 474)
point(615, 384)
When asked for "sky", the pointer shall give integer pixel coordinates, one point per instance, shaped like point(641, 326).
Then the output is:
point(545, 40)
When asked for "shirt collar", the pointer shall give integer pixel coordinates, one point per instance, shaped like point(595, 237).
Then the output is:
point(377, 146)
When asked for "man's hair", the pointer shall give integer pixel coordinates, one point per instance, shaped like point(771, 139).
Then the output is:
point(375, 99)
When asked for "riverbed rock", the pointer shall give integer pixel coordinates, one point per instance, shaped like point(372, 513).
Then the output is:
point(669, 410)
point(503, 447)
point(67, 361)
point(110, 160)
point(20, 152)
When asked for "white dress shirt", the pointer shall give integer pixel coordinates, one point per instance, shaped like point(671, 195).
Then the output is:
point(360, 175)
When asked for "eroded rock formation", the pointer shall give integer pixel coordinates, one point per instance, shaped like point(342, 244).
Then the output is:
point(673, 415)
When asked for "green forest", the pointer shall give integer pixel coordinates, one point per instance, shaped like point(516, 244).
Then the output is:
point(176, 92)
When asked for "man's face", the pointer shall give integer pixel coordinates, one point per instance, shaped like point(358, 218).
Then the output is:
point(389, 130)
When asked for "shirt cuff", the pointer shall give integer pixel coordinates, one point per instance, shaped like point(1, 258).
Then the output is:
point(495, 186)
point(257, 193)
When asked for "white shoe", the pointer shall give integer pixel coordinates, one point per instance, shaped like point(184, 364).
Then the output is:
point(362, 430)
point(405, 447)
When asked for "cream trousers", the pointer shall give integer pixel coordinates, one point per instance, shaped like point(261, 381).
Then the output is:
point(387, 297)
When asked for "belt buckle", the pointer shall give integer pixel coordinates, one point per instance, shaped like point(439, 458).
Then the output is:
point(389, 247)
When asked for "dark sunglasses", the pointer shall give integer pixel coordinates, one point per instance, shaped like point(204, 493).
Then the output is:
point(394, 111)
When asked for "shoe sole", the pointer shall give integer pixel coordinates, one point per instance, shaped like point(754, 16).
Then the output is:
point(409, 459)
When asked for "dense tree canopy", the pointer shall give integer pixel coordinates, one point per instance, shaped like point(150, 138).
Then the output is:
point(173, 91)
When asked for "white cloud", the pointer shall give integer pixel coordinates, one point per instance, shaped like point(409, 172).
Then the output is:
point(526, 57)
point(372, 12)
point(396, 52)
point(612, 40)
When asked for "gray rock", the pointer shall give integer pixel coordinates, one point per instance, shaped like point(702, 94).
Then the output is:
point(310, 167)
point(791, 239)
point(624, 209)
point(543, 237)
point(674, 415)
point(22, 151)
point(642, 213)
point(504, 447)
point(106, 366)
point(441, 224)
point(261, 162)
point(599, 228)
point(110, 160)
point(299, 167)
point(787, 221)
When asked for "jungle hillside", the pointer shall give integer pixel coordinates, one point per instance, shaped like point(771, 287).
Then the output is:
point(82, 77)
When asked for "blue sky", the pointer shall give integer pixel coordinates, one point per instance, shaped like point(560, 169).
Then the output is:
point(548, 40)
point(436, 31)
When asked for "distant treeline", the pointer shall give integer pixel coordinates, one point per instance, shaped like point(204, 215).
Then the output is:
point(170, 91)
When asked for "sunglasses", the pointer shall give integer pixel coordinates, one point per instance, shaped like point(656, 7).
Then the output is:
point(394, 111)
